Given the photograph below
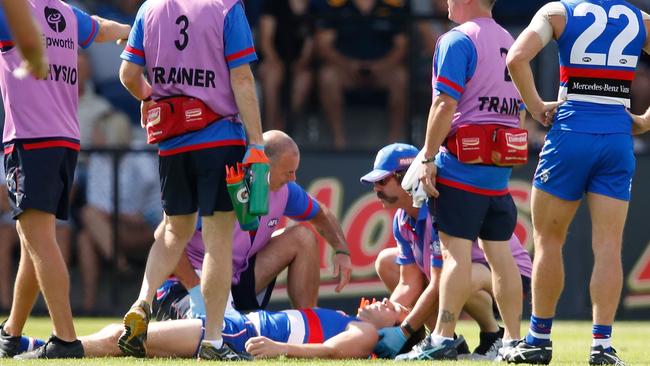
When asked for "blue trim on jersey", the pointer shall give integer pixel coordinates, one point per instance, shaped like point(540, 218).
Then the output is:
point(479, 176)
point(300, 205)
point(224, 129)
point(332, 322)
point(136, 40)
point(405, 253)
point(87, 27)
point(5, 33)
point(237, 38)
point(454, 64)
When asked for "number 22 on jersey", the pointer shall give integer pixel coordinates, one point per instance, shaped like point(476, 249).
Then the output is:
point(615, 56)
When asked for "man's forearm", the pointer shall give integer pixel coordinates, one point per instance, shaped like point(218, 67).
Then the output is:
point(243, 86)
point(425, 307)
point(397, 53)
point(134, 81)
point(327, 51)
point(438, 124)
point(26, 31)
point(327, 226)
point(641, 123)
point(310, 351)
point(406, 295)
point(522, 77)
point(110, 31)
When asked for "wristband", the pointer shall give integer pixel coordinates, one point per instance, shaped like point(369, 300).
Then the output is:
point(429, 160)
point(407, 327)
point(342, 251)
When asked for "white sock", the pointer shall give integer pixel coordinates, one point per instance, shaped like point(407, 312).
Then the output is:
point(437, 340)
point(216, 343)
point(605, 342)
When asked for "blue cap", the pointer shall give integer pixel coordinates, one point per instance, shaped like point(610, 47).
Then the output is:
point(390, 159)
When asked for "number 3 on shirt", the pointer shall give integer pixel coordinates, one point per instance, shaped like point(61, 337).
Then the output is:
point(615, 56)
point(182, 43)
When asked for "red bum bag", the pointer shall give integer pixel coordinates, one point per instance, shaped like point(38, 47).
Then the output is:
point(173, 116)
point(489, 144)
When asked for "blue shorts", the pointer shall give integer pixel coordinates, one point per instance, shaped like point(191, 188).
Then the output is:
point(572, 163)
point(40, 178)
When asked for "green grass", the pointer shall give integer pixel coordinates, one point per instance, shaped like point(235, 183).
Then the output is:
point(571, 345)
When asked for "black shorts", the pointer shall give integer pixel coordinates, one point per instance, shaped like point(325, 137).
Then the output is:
point(197, 179)
point(525, 286)
point(40, 178)
point(244, 294)
point(470, 216)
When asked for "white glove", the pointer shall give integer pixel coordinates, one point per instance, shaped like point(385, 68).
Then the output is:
point(411, 181)
point(420, 196)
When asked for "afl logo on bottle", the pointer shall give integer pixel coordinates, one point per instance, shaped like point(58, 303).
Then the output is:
point(55, 19)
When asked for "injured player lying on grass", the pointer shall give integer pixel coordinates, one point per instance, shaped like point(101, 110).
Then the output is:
point(307, 333)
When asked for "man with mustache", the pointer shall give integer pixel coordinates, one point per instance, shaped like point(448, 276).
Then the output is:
point(411, 271)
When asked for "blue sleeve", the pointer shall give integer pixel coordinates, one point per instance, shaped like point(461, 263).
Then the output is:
point(88, 28)
point(6, 41)
point(300, 205)
point(454, 63)
point(405, 253)
point(237, 38)
point(134, 50)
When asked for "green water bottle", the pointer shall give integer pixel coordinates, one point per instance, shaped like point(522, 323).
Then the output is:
point(240, 197)
point(259, 187)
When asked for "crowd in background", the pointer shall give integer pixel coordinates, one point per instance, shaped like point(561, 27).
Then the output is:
point(323, 64)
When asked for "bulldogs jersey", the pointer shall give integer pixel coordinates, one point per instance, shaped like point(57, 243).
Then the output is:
point(290, 326)
point(599, 51)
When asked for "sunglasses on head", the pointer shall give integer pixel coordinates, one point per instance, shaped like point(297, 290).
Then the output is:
point(397, 175)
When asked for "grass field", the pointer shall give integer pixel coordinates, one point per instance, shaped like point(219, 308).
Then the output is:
point(571, 345)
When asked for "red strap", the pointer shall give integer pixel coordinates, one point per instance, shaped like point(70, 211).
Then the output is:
point(314, 326)
point(52, 143)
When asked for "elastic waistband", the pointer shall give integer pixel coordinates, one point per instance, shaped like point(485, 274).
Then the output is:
point(36, 144)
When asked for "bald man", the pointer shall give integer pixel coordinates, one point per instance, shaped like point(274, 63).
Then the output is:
point(28, 37)
point(258, 257)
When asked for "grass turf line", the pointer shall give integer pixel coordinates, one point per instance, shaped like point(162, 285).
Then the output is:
point(571, 341)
